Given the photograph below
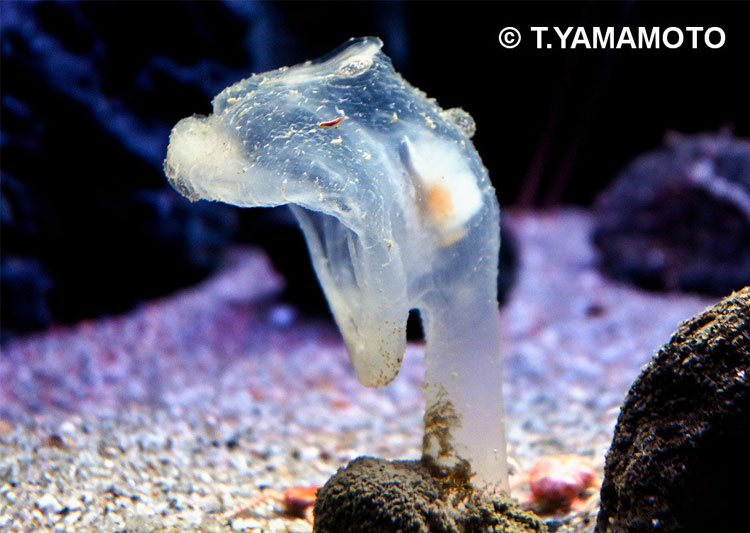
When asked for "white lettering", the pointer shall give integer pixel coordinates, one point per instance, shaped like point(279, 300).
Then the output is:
point(580, 38)
point(626, 35)
point(606, 41)
point(642, 37)
point(539, 30)
point(693, 30)
point(563, 36)
point(669, 30)
point(711, 30)
point(649, 40)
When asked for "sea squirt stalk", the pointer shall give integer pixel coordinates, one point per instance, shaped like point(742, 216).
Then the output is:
point(398, 213)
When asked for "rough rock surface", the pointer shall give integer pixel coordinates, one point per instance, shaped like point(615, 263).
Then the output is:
point(681, 441)
point(679, 218)
point(377, 496)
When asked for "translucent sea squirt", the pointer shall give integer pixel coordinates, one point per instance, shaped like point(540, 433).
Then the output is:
point(398, 213)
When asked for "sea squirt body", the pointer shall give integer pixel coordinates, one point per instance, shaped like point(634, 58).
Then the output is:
point(399, 177)
point(397, 210)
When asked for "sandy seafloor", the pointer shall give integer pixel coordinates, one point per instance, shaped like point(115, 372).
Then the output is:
point(171, 416)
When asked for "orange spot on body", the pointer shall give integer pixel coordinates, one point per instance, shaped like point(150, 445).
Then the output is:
point(439, 203)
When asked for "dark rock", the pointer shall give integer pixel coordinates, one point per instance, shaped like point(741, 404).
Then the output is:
point(89, 224)
point(679, 218)
point(376, 496)
point(679, 458)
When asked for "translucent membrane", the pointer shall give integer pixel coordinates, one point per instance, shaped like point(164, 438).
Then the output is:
point(398, 213)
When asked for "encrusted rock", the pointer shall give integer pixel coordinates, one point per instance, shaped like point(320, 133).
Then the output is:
point(679, 218)
point(377, 496)
point(679, 458)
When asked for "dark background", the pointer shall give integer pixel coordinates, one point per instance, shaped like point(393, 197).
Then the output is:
point(91, 90)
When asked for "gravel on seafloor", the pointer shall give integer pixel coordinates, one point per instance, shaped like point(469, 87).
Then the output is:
point(172, 416)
